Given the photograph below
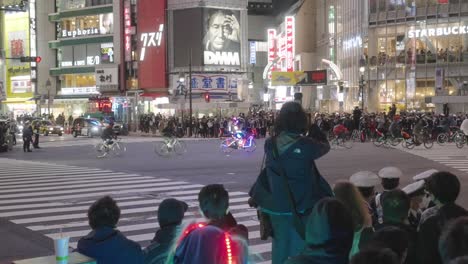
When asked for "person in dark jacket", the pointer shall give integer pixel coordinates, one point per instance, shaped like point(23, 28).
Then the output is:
point(375, 255)
point(454, 240)
point(36, 130)
point(393, 238)
point(329, 235)
point(105, 243)
point(443, 188)
point(170, 215)
point(27, 137)
point(396, 206)
point(296, 160)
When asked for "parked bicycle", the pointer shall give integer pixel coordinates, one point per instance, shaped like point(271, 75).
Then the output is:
point(170, 146)
point(114, 147)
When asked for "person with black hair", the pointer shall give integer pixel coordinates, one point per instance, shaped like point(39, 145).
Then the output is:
point(453, 242)
point(393, 238)
point(460, 260)
point(206, 243)
point(390, 180)
point(443, 188)
point(329, 235)
point(105, 243)
point(293, 178)
point(170, 215)
point(375, 256)
point(396, 206)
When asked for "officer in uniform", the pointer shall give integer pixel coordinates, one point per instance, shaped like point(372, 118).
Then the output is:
point(365, 181)
point(415, 191)
point(427, 205)
point(390, 180)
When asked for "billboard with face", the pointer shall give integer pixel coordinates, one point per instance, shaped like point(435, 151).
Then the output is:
point(221, 41)
point(152, 44)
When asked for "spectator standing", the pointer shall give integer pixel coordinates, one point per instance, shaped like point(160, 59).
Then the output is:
point(294, 161)
point(393, 238)
point(105, 243)
point(454, 240)
point(170, 215)
point(329, 235)
point(348, 194)
point(443, 188)
point(375, 256)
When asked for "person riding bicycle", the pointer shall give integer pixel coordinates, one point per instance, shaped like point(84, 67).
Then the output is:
point(108, 135)
point(418, 130)
point(395, 127)
point(340, 130)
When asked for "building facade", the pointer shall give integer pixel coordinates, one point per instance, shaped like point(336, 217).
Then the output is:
point(418, 56)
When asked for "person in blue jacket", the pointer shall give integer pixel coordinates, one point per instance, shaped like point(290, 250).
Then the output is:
point(297, 155)
point(105, 243)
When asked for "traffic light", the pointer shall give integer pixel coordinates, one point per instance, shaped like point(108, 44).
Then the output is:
point(207, 97)
point(31, 59)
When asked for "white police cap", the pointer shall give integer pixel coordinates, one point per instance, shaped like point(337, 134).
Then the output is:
point(414, 187)
point(390, 173)
point(364, 179)
point(424, 175)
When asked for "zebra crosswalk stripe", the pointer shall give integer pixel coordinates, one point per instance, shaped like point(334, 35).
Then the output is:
point(54, 199)
point(448, 155)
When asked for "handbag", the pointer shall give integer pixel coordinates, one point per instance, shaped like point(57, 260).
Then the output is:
point(260, 194)
point(323, 189)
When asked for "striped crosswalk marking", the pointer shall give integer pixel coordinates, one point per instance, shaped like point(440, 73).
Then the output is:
point(53, 199)
point(448, 155)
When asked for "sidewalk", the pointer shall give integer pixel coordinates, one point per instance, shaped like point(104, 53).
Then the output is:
point(20, 243)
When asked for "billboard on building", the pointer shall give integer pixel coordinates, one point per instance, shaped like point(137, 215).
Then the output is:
point(152, 44)
point(188, 36)
point(221, 40)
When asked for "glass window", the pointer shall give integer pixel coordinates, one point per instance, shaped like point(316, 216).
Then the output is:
point(382, 5)
point(373, 6)
point(382, 47)
point(87, 25)
point(420, 3)
point(400, 92)
point(78, 80)
point(66, 54)
point(77, 4)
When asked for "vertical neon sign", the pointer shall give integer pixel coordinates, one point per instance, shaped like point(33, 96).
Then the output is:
point(271, 49)
point(128, 31)
point(290, 43)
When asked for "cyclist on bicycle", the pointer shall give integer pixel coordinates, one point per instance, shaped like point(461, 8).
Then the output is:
point(340, 130)
point(418, 130)
point(108, 135)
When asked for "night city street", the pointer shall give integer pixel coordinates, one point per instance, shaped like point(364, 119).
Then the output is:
point(49, 190)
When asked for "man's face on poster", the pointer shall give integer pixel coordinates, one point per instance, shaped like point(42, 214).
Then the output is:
point(216, 34)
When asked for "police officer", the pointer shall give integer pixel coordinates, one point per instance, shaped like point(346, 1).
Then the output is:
point(390, 180)
point(415, 191)
point(27, 137)
point(36, 130)
point(365, 181)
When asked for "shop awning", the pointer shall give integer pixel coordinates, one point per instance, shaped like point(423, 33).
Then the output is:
point(16, 100)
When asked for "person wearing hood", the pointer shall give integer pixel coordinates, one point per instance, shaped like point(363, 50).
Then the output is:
point(443, 188)
point(105, 243)
point(170, 215)
point(329, 235)
point(290, 156)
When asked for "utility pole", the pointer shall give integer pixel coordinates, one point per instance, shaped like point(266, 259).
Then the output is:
point(362, 84)
point(190, 94)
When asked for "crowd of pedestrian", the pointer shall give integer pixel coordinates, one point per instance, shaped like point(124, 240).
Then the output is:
point(307, 219)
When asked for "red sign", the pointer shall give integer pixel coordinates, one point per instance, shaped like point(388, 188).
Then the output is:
point(152, 44)
point(318, 77)
point(128, 30)
point(290, 42)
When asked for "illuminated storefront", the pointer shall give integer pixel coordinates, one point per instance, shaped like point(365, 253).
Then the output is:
point(413, 63)
point(17, 83)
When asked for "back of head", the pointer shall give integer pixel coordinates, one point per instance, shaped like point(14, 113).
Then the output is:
point(453, 242)
point(375, 256)
point(330, 226)
point(214, 201)
point(459, 260)
point(292, 118)
point(353, 200)
point(395, 205)
point(103, 213)
point(393, 238)
point(444, 186)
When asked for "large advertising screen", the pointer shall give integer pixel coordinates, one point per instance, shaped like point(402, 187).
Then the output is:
point(221, 41)
point(152, 44)
point(188, 36)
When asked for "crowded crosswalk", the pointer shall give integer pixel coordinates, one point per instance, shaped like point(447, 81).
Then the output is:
point(53, 199)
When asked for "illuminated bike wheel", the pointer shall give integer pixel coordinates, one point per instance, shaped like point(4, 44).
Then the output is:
point(180, 147)
point(162, 149)
point(226, 146)
point(428, 143)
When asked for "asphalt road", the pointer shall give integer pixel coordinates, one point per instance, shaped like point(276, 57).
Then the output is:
point(204, 163)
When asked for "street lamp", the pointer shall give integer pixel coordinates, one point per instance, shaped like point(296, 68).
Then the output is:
point(362, 83)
